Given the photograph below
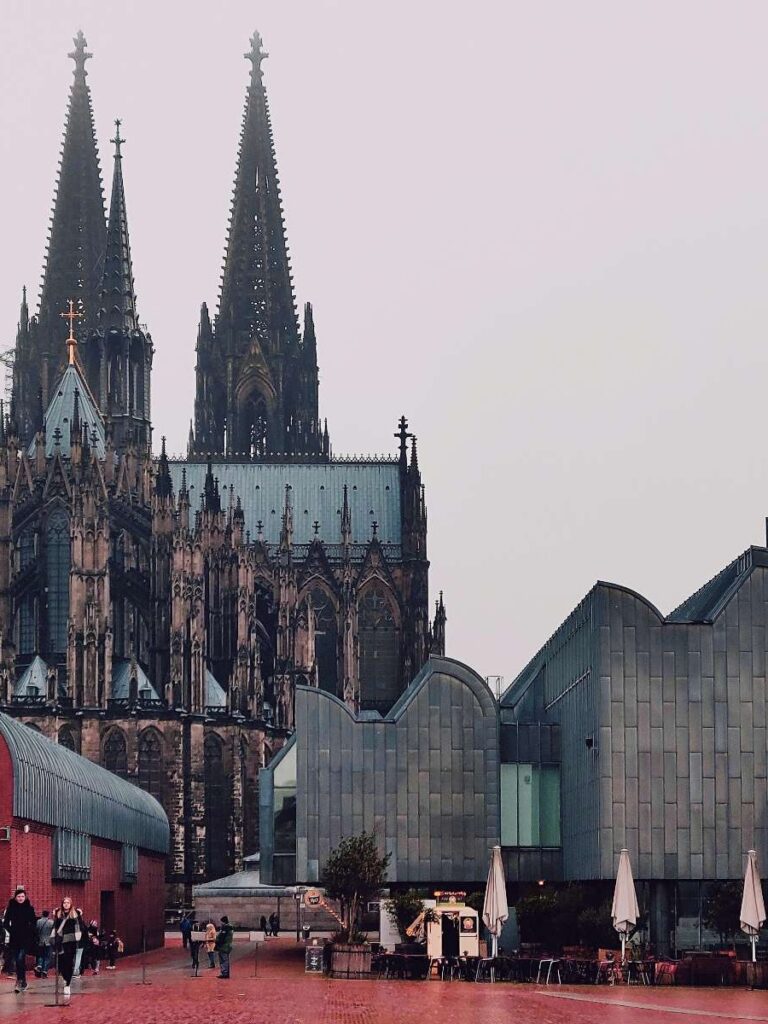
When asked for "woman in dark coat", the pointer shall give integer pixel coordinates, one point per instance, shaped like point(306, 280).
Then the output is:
point(68, 932)
point(20, 922)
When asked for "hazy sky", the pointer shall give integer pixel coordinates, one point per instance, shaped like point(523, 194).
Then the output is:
point(540, 230)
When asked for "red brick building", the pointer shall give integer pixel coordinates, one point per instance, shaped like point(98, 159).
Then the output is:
point(69, 827)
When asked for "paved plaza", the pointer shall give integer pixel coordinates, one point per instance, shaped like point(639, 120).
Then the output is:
point(273, 988)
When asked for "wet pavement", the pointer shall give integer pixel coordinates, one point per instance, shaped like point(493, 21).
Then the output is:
point(268, 984)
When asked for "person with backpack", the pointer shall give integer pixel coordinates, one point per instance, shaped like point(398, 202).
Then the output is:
point(20, 922)
point(113, 948)
point(224, 946)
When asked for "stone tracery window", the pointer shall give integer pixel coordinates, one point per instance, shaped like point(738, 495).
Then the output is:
point(151, 774)
point(326, 638)
point(216, 808)
point(379, 647)
point(115, 756)
point(67, 739)
point(58, 561)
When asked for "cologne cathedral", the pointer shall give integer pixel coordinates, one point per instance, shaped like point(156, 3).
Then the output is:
point(156, 614)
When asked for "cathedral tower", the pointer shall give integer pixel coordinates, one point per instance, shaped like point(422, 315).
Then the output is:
point(257, 380)
point(74, 260)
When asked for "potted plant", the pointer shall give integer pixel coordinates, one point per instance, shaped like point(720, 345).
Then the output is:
point(354, 874)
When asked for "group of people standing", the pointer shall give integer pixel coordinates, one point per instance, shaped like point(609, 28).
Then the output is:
point(63, 935)
point(216, 941)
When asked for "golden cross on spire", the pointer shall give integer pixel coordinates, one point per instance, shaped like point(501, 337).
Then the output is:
point(71, 315)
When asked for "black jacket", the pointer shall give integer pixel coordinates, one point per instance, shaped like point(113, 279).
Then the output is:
point(20, 922)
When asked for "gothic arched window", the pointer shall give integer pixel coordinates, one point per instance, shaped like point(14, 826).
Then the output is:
point(27, 632)
point(151, 776)
point(252, 426)
point(115, 757)
point(379, 649)
point(216, 808)
point(58, 558)
point(67, 739)
point(326, 638)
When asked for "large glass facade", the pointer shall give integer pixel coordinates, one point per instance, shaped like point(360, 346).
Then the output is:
point(530, 805)
point(284, 779)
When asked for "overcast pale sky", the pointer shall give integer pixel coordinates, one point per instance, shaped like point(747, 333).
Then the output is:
point(540, 230)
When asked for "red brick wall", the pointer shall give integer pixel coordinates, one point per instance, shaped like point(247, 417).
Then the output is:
point(28, 859)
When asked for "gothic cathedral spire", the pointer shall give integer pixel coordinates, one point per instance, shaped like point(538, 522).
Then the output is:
point(74, 259)
point(118, 352)
point(257, 377)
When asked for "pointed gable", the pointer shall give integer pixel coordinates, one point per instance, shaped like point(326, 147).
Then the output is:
point(61, 411)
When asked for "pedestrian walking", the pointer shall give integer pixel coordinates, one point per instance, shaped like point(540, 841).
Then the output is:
point(20, 921)
point(274, 923)
point(224, 946)
point(67, 932)
point(264, 926)
point(194, 946)
point(210, 943)
point(114, 947)
point(82, 946)
point(93, 946)
point(186, 928)
point(44, 934)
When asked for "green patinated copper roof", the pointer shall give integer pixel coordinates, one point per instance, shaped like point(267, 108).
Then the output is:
point(316, 495)
point(61, 410)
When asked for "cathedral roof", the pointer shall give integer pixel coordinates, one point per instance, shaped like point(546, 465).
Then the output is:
point(215, 695)
point(34, 676)
point(61, 411)
point(121, 681)
point(316, 495)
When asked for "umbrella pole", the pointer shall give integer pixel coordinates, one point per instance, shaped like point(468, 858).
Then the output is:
point(754, 948)
point(623, 945)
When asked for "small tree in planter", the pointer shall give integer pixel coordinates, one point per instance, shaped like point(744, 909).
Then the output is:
point(354, 874)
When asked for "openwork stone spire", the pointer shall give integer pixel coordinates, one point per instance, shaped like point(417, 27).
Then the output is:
point(257, 290)
point(118, 299)
point(257, 378)
point(74, 257)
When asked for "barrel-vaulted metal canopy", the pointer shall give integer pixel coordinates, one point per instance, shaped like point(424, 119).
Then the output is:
point(57, 787)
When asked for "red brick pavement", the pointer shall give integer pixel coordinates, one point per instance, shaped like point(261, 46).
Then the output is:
point(274, 989)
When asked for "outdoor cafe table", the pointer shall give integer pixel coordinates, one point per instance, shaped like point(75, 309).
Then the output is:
point(404, 965)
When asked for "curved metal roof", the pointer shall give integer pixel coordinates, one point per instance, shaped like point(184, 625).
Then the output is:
point(57, 787)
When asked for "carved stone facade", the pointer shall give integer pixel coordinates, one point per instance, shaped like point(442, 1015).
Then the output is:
point(157, 614)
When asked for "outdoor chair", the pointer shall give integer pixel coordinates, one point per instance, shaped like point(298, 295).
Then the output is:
point(551, 964)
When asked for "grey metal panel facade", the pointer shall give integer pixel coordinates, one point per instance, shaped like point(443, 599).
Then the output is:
point(425, 779)
point(57, 787)
point(317, 494)
point(676, 711)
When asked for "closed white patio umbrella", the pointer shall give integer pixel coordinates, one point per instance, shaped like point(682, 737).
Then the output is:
point(495, 909)
point(624, 911)
point(752, 914)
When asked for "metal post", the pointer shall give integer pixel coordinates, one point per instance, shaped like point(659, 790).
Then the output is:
point(144, 956)
point(256, 959)
point(56, 1002)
